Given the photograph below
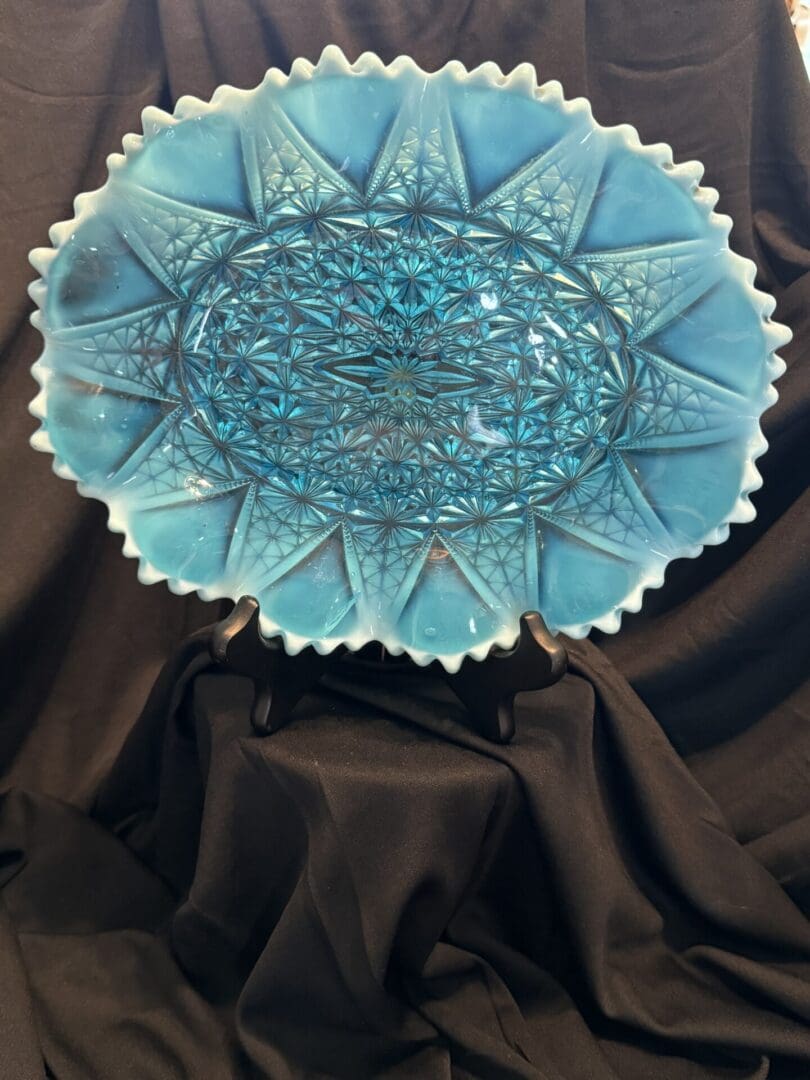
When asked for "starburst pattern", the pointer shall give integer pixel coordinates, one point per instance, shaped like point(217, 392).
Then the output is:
point(388, 399)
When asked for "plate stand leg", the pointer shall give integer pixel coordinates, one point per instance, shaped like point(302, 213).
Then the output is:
point(279, 680)
point(487, 688)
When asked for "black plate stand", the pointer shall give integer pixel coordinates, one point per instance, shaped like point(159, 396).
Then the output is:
point(486, 688)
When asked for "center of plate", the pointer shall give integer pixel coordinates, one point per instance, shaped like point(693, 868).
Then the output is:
point(364, 362)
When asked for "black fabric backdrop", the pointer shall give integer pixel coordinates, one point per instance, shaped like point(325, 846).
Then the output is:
point(621, 893)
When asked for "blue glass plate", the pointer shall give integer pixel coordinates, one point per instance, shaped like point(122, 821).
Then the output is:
point(403, 356)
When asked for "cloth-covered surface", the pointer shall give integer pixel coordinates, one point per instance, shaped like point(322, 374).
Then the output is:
point(624, 891)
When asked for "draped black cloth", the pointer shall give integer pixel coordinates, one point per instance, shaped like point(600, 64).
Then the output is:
point(620, 894)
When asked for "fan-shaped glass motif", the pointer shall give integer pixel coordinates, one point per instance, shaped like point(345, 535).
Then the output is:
point(403, 356)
